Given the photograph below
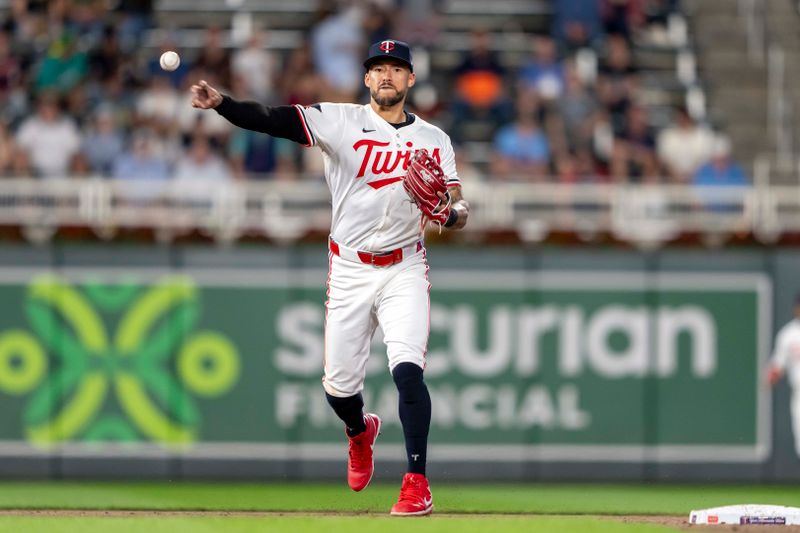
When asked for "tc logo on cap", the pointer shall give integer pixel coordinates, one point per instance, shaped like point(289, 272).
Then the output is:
point(382, 50)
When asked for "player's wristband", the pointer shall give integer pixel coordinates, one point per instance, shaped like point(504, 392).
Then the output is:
point(451, 218)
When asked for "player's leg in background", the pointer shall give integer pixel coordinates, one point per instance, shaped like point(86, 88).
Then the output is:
point(794, 407)
point(404, 314)
point(403, 308)
point(414, 406)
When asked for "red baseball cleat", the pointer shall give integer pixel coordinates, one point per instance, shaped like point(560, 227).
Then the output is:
point(360, 464)
point(415, 497)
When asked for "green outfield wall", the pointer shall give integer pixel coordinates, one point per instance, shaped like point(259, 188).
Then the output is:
point(542, 364)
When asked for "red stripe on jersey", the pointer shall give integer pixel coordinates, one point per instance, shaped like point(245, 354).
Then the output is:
point(327, 302)
point(427, 269)
point(305, 126)
point(377, 184)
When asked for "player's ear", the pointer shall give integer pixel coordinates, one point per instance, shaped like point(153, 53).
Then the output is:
point(366, 79)
point(412, 79)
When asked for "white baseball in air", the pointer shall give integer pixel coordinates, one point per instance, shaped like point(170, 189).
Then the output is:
point(170, 60)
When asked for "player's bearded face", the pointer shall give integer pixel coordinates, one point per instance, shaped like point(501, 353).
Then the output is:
point(388, 83)
point(387, 96)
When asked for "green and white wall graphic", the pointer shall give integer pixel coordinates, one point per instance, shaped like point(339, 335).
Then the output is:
point(578, 366)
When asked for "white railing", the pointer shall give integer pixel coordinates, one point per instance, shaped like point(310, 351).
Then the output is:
point(283, 212)
point(780, 109)
point(763, 50)
point(752, 13)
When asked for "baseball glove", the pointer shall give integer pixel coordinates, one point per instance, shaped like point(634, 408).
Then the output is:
point(423, 182)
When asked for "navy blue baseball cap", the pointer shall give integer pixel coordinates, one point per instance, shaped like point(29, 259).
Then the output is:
point(389, 48)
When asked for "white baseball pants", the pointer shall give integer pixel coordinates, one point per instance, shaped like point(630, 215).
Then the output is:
point(362, 296)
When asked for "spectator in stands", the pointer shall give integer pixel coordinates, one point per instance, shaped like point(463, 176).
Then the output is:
point(299, 83)
point(337, 46)
point(721, 171)
point(633, 154)
point(577, 24)
point(158, 104)
point(684, 147)
point(201, 176)
point(199, 166)
point(214, 57)
point(257, 68)
point(115, 94)
point(522, 151)
point(21, 165)
point(543, 72)
point(137, 16)
point(106, 58)
point(80, 167)
point(22, 24)
point(56, 13)
point(64, 65)
point(378, 20)
point(10, 70)
point(8, 151)
point(76, 105)
point(578, 166)
point(577, 108)
point(624, 17)
point(141, 175)
point(618, 80)
point(426, 103)
point(85, 19)
point(480, 101)
point(103, 143)
point(253, 155)
point(50, 139)
point(658, 11)
point(13, 83)
point(420, 21)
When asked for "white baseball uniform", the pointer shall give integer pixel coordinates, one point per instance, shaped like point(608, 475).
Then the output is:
point(378, 272)
point(786, 356)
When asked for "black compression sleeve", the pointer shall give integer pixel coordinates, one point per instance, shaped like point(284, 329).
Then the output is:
point(281, 121)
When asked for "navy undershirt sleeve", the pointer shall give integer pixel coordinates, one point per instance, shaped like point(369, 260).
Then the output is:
point(279, 121)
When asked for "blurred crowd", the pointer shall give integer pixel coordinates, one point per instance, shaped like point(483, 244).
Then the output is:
point(81, 96)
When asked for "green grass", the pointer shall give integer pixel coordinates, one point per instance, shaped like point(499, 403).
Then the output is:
point(448, 498)
point(298, 524)
point(373, 504)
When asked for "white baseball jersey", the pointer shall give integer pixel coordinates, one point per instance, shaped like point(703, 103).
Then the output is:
point(786, 353)
point(786, 356)
point(365, 160)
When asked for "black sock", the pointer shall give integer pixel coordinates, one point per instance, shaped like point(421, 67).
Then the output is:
point(415, 413)
point(351, 411)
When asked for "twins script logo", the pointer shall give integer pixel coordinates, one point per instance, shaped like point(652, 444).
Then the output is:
point(378, 161)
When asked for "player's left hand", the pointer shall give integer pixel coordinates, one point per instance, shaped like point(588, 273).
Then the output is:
point(426, 184)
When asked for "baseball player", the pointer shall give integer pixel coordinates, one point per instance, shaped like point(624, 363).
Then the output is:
point(786, 358)
point(390, 173)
